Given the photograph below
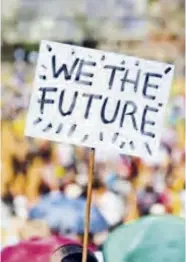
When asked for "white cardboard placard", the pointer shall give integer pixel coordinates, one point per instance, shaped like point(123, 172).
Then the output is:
point(97, 99)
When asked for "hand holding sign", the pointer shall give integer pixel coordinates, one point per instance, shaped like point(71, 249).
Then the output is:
point(93, 98)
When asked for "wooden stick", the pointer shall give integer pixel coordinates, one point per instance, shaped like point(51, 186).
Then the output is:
point(88, 204)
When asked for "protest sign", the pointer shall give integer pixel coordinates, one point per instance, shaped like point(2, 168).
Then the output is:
point(97, 99)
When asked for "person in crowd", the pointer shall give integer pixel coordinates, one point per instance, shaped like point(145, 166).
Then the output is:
point(71, 253)
point(146, 198)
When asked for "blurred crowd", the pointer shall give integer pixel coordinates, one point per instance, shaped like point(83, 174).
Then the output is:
point(44, 184)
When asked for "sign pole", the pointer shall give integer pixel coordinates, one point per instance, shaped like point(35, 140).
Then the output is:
point(88, 203)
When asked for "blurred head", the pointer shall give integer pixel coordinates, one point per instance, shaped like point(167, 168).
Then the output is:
point(73, 190)
point(149, 186)
point(44, 189)
point(71, 253)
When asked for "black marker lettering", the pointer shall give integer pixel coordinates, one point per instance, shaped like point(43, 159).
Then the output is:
point(89, 103)
point(71, 108)
point(101, 136)
point(86, 74)
point(147, 122)
point(122, 144)
point(43, 99)
point(148, 148)
point(130, 113)
point(49, 48)
point(72, 129)
point(48, 127)
point(42, 77)
point(103, 109)
point(103, 57)
point(135, 82)
point(115, 136)
point(131, 143)
point(37, 121)
point(146, 85)
point(113, 72)
point(67, 73)
point(84, 138)
point(167, 70)
point(43, 66)
point(59, 128)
